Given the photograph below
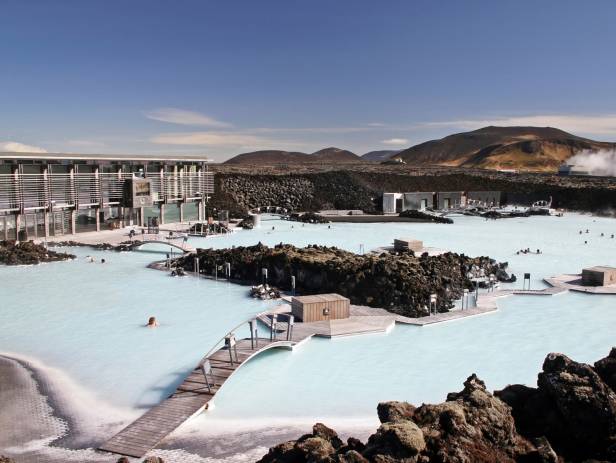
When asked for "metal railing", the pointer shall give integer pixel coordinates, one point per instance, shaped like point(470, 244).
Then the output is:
point(21, 191)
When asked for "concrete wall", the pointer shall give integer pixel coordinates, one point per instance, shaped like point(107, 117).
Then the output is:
point(389, 202)
point(448, 199)
point(418, 201)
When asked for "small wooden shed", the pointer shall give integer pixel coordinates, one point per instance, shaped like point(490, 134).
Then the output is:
point(601, 275)
point(405, 244)
point(320, 307)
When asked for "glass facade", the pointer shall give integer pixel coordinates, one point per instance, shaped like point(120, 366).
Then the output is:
point(191, 212)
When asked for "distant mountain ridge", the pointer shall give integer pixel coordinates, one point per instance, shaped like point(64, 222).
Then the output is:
point(379, 155)
point(326, 155)
point(519, 148)
point(524, 148)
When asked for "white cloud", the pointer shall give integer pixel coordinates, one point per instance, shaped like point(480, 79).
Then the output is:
point(235, 139)
point(395, 141)
point(84, 143)
point(597, 125)
point(183, 117)
point(16, 147)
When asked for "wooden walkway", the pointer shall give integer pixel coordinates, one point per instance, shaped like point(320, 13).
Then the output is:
point(189, 399)
point(193, 395)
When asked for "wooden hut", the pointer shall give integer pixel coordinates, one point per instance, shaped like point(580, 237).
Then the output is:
point(320, 307)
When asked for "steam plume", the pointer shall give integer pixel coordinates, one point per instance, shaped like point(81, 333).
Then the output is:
point(601, 162)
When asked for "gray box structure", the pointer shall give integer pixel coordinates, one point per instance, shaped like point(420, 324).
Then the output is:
point(448, 199)
point(418, 201)
point(405, 244)
point(600, 275)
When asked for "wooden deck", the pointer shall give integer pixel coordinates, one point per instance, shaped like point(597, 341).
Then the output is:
point(574, 283)
point(189, 399)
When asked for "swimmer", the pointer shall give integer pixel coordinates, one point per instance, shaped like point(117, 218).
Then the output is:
point(538, 251)
point(152, 323)
point(602, 234)
point(273, 228)
point(585, 242)
point(102, 261)
point(612, 236)
point(90, 259)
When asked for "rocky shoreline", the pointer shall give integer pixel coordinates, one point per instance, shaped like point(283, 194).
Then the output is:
point(399, 282)
point(122, 247)
point(29, 253)
point(314, 188)
point(569, 417)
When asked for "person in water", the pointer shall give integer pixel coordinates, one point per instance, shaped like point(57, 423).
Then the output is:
point(152, 323)
point(102, 261)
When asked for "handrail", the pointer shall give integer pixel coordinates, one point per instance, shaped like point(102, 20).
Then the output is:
point(221, 340)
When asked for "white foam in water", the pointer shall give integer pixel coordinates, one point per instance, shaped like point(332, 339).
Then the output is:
point(86, 320)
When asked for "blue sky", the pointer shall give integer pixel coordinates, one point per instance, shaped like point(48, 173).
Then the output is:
point(224, 77)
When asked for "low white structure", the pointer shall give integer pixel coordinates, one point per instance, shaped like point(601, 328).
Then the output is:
point(392, 203)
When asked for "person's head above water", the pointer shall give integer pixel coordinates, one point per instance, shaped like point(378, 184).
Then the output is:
point(152, 322)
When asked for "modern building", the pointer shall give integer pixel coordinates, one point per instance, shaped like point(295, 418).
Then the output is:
point(392, 203)
point(448, 199)
point(418, 201)
point(49, 194)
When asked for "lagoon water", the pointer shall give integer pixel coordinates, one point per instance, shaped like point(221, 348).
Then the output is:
point(86, 320)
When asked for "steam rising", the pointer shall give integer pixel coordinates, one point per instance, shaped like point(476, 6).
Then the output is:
point(596, 162)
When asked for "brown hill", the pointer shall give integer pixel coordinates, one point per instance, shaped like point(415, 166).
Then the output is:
point(335, 154)
point(522, 148)
point(269, 157)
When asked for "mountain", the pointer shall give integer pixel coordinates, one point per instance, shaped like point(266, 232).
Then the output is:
point(268, 157)
point(381, 155)
point(326, 155)
point(522, 148)
point(335, 154)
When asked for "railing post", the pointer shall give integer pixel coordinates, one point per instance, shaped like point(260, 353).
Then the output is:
point(273, 327)
point(290, 323)
point(254, 335)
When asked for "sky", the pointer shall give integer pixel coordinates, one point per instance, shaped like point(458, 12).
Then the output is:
point(224, 77)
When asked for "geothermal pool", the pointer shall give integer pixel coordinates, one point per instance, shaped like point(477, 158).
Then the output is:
point(84, 322)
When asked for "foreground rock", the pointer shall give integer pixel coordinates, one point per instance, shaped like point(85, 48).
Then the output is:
point(569, 417)
point(28, 253)
point(574, 407)
point(401, 283)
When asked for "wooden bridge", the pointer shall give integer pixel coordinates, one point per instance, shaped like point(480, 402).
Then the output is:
point(176, 242)
point(196, 391)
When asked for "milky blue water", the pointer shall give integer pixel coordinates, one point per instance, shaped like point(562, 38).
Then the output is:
point(87, 320)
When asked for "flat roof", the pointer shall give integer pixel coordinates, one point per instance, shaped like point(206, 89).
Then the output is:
point(601, 268)
point(103, 157)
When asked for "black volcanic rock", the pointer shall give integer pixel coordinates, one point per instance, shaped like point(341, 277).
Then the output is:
point(401, 283)
point(28, 253)
point(572, 407)
point(472, 426)
point(569, 417)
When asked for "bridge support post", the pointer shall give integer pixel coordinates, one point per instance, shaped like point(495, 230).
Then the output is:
point(162, 213)
point(181, 206)
point(254, 335)
point(290, 323)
